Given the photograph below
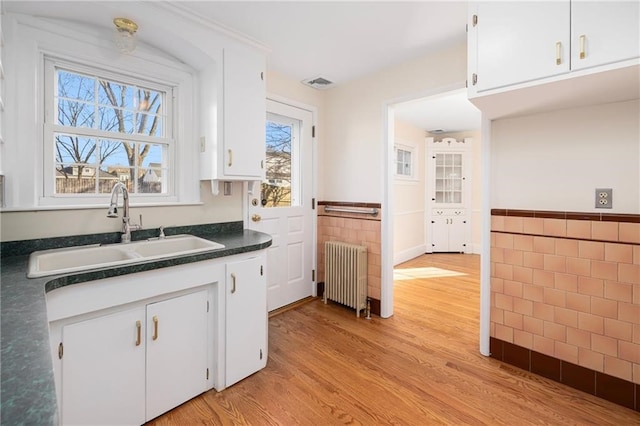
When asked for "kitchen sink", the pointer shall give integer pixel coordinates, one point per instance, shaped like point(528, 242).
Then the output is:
point(182, 244)
point(83, 258)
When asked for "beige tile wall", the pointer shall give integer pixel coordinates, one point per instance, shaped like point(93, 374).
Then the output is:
point(353, 229)
point(569, 289)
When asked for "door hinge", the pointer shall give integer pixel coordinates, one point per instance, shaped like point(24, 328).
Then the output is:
point(207, 306)
point(60, 350)
point(474, 79)
point(475, 20)
point(260, 353)
point(261, 270)
point(207, 374)
point(313, 275)
point(313, 131)
point(313, 204)
point(262, 164)
point(262, 76)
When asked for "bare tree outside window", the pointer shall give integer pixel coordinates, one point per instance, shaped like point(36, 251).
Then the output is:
point(276, 188)
point(91, 164)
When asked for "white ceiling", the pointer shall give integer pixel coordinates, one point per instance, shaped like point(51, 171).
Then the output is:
point(449, 112)
point(337, 40)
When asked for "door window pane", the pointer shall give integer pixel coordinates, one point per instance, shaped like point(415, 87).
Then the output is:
point(278, 188)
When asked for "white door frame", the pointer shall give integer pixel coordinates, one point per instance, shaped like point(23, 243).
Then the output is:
point(386, 302)
point(314, 187)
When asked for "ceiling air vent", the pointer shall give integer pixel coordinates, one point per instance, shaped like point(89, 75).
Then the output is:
point(320, 83)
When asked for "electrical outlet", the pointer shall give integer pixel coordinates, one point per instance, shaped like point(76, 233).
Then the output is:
point(604, 198)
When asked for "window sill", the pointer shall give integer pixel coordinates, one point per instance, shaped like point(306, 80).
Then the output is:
point(95, 206)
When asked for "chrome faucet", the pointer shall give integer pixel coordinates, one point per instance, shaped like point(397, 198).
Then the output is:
point(113, 211)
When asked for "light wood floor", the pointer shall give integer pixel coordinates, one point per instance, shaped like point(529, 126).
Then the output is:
point(420, 367)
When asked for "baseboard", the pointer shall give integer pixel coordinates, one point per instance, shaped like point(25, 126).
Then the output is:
point(613, 389)
point(374, 303)
point(409, 254)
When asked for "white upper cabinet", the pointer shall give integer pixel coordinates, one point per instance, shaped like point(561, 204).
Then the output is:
point(244, 113)
point(519, 42)
point(604, 32)
point(528, 57)
point(233, 113)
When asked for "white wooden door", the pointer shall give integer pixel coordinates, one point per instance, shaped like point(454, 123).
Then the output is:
point(282, 207)
point(604, 32)
point(103, 370)
point(518, 41)
point(246, 319)
point(244, 112)
point(176, 351)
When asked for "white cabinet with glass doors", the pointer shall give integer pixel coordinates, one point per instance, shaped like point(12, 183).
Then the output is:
point(448, 183)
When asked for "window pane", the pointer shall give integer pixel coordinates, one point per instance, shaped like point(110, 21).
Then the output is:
point(150, 181)
point(75, 114)
point(276, 188)
point(115, 120)
point(75, 149)
point(75, 86)
point(150, 155)
point(115, 94)
point(74, 179)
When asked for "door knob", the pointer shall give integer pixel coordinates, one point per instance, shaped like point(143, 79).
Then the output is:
point(256, 218)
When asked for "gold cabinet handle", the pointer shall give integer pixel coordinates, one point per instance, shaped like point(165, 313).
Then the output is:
point(233, 283)
point(256, 218)
point(230, 158)
point(558, 53)
point(138, 333)
point(155, 328)
point(582, 50)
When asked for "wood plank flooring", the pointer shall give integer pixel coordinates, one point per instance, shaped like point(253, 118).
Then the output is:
point(420, 367)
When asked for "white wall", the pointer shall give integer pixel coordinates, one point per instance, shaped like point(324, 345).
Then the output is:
point(351, 169)
point(555, 160)
point(409, 198)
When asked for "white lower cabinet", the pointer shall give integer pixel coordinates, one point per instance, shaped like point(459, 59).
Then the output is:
point(176, 351)
point(448, 231)
point(131, 366)
point(103, 370)
point(129, 348)
point(246, 318)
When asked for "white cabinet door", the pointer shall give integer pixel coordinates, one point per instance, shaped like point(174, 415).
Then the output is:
point(604, 32)
point(176, 351)
point(521, 41)
point(246, 319)
point(457, 234)
point(103, 370)
point(440, 234)
point(244, 112)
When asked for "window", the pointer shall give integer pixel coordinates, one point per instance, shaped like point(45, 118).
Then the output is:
point(85, 117)
point(281, 187)
point(102, 128)
point(404, 161)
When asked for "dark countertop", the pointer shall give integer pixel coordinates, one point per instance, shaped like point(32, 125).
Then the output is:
point(27, 385)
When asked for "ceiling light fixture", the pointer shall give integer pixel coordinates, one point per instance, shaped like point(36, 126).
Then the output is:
point(125, 34)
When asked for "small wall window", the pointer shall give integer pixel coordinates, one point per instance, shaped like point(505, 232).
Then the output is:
point(404, 159)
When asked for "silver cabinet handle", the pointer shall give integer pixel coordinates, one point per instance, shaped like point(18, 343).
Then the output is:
point(230, 158)
point(558, 53)
point(233, 283)
point(583, 54)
